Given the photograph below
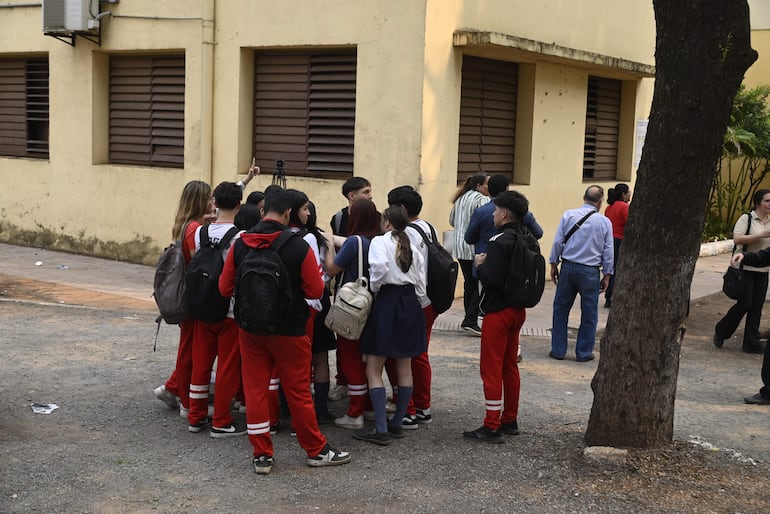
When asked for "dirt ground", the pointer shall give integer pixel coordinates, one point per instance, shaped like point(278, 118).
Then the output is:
point(112, 447)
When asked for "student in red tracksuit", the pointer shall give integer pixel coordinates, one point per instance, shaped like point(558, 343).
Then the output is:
point(289, 350)
point(195, 209)
point(217, 340)
point(502, 323)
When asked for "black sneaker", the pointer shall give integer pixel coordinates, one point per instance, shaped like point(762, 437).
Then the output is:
point(197, 427)
point(756, 399)
point(396, 432)
point(275, 428)
point(263, 464)
point(409, 423)
point(423, 416)
point(485, 435)
point(329, 457)
point(471, 328)
point(230, 430)
point(511, 428)
point(718, 341)
point(370, 435)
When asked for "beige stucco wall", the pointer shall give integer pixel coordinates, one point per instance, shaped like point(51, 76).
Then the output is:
point(551, 153)
point(407, 106)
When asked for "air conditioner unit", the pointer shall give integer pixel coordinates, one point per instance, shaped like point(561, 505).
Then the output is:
point(65, 15)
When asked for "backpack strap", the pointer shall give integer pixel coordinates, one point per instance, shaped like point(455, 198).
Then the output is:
point(748, 229)
point(337, 222)
point(204, 237)
point(281, 240)
point(577, 226)
point(422, 232)
point(229, 235)
point(360, 258)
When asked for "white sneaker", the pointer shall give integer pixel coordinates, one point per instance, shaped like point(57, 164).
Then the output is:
point(329, 457)
point(349, 422)
point(163, 395)
point(338, 392)
point(390, 407)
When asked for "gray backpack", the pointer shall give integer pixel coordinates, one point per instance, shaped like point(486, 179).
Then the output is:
point(348, 314)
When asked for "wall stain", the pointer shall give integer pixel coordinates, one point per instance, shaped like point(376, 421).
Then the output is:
point(138, 251)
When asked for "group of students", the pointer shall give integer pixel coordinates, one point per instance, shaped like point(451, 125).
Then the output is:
point(253, 366)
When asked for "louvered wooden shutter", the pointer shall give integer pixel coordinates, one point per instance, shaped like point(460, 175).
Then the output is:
point(147, 110)
point(305, 112)
point(600, 153)
point(487, 117)
point(37, 108)
point(24, 108)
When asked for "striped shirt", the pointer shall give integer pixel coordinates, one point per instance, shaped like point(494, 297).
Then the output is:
point(460, 217)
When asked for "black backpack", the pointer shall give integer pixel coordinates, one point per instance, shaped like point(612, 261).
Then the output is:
point(202, 279)
point(263, 290)
point(442, 272)
point(525, 280)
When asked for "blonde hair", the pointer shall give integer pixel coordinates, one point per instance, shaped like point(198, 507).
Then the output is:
point(193, 205)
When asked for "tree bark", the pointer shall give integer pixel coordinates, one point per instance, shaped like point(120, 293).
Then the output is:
point(702, 51)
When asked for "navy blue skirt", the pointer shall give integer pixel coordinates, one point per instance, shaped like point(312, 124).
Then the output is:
point(396, 324)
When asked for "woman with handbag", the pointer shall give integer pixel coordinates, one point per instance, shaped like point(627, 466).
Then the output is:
point(396, 325)
point(363, 225)
point(753, 232)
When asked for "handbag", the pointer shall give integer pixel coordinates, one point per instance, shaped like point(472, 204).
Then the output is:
point(734, 284)
point(733, 281)
point(348, 314)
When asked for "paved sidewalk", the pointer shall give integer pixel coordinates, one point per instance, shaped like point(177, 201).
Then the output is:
point(135, 281)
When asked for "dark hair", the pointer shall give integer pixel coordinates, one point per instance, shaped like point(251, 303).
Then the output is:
point(227, 195)
point(272, 188)
point(593, 194)
point(471, 183)
point(397, 219)
point(354, 184)
point(255, 197)
point(514, 201)
point(277, 200)
point(298, 199)
point(248, 216)
point(312, 226)
point(616, 193)
point(758, 195)
point(497, 184)
point(407, 197)
point(364, 219)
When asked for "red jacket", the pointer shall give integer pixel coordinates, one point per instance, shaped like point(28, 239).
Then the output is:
point(300, 262)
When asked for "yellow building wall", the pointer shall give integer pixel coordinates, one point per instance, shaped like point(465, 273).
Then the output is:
point(407, 107)
point(549, 146)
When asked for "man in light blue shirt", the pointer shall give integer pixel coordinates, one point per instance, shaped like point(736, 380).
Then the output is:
point(583, 243)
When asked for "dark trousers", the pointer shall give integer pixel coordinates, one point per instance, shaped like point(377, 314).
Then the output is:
point(750, 306)
point(616, 245)
point(471, 296)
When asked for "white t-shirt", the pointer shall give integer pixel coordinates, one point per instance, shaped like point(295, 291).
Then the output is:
point(384, 270)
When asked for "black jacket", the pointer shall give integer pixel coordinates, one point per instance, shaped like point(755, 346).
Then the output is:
point(494, 271)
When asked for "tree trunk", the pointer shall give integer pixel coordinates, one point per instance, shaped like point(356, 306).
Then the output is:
point(702, 51)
